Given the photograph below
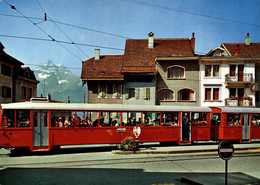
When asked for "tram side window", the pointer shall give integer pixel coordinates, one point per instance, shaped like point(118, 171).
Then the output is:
point(216, 119)
point(23, 118)
point(108, 119)
point(256, 120)
point(170, 119)
point(8, 118)
point(131, 119)
point(233, 119)
point(199, 119)
point(62, 119)
point(151, 119)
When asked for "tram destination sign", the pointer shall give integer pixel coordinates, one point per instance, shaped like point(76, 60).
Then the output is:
point(225, 150)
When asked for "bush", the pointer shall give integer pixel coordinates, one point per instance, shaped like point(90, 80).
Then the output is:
point(128, 144)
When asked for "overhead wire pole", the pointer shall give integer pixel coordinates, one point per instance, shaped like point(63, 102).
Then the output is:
point(45, 19)
point(52, 39)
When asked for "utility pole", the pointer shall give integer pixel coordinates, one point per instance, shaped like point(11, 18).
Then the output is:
point(43, 87)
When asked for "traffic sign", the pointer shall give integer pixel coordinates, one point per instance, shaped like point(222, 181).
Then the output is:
point(137, 131)
point(225, 150)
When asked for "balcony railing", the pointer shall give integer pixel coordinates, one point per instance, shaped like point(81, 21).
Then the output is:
point(235, 102)
point(246, 77)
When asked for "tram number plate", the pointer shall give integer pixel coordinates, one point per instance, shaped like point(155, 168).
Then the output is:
point(120, 130)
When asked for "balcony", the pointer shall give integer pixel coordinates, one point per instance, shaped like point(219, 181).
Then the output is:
point(235, 102)
point(245, 78)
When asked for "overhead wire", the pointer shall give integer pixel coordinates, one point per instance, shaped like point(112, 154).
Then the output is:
point(89, 45)
point(14, 8)
point(188, 12)
point(45, 19)
point(70, 25)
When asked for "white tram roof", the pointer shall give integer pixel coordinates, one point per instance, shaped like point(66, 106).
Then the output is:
point(238, 109)
point(102, 107)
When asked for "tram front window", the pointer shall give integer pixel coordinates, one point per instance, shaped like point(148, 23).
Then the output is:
point(256, 120)
point(233, 119)
point(8, 118)
point(170, 119)
point(198, 118)
point(216, 119)
point(23, 118)
point(151, 119)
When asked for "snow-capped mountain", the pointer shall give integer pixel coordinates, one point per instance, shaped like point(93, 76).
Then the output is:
point(60, 83)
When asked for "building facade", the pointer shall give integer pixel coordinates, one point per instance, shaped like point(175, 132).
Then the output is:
point(16, 82)
point(228, 75)
point(178, 81)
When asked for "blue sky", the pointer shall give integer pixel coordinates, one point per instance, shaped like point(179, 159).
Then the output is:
point(125, 19)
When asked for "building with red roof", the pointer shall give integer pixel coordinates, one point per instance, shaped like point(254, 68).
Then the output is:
point(229, 75)
point(131, 78)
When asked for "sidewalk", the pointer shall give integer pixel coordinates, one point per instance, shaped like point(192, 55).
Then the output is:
point(157, 149)
point(245, 147)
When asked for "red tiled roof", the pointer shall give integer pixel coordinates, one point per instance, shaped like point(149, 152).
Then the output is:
point(108, 67)
point(245, 50)
point(140, 58)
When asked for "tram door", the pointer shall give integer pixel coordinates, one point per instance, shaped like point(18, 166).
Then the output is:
point(246, 127)
point(186, 126)
point(40, 128)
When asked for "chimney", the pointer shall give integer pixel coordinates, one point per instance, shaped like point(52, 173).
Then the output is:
point(150, 40)
point(97, 54)
point(247, 39)
point(49, 97)
point(192, 42)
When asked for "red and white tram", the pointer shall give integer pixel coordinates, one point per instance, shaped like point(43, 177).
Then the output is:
point(40, 126)
point(235, 123)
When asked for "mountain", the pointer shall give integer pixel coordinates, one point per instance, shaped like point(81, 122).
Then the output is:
point(60, 83)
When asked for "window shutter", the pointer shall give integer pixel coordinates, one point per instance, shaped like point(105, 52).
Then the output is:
point(136, 93)
point(100, 90)
point(126, 93)
point(208, 94)
point(116, 92)
point(145, 93)
point(216, 94)
point(119, 87)
point(104, 89)
point(148, 93)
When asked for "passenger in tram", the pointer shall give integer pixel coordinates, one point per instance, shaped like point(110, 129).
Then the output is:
point(254, 122)
point(102, 123)
point(67, 122)
point(230, 121)
point(185, 127)
point(78, 122)
point(60, 122)
point(89, 122)
point(27, 123)
point(237, 123)
point(134, 122)
point(110, 122)
point(95, 123)
point(139, 122)
point(73, 122)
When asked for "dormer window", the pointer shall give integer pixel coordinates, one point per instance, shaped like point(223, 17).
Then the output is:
point(175, 72)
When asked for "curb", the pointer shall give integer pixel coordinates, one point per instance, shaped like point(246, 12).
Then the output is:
point(253, 150)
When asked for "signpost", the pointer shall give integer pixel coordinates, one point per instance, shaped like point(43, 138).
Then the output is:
point(137, 132)
point(226, 152)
